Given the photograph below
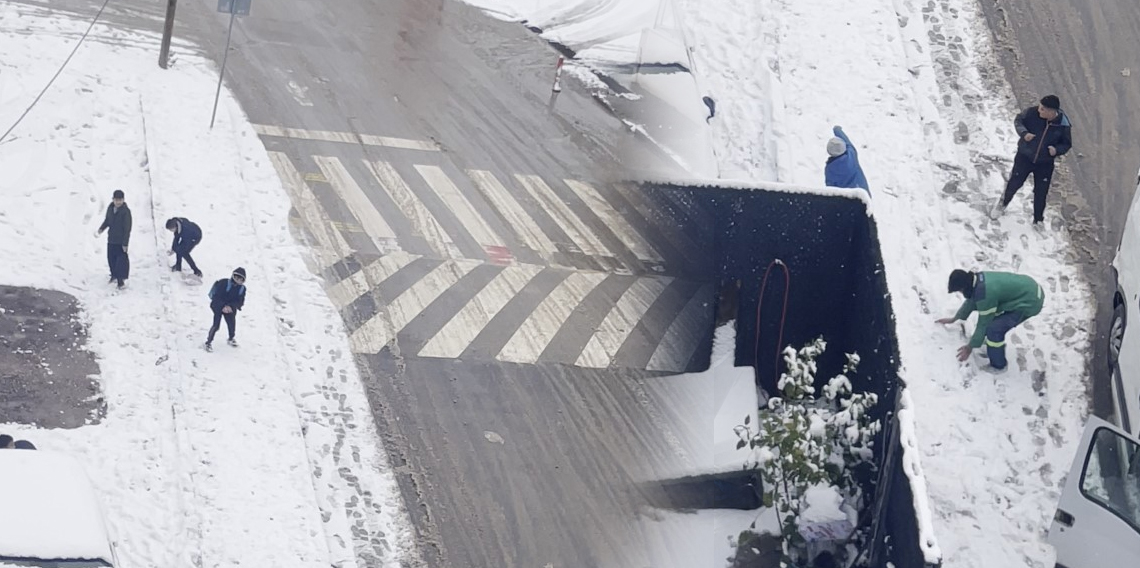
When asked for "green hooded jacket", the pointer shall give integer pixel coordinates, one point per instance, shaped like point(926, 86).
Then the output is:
point(996, 293)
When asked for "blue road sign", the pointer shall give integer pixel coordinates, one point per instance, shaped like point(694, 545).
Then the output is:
point(236, 7)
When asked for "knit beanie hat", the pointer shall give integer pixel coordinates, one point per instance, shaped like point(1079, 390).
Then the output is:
point(836, 147)
point(239, 271)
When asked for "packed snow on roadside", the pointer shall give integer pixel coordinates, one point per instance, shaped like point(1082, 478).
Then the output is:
point(915, 86)
point(263, 455)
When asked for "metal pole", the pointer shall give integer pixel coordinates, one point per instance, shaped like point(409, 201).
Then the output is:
point(222, 73)
point(167, 32)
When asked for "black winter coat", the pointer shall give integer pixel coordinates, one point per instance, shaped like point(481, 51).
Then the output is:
point(1055, 133)
point(118, 225)
point(226, 292)
point(190, 233)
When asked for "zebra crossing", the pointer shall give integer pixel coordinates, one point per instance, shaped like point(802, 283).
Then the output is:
point(440, 262)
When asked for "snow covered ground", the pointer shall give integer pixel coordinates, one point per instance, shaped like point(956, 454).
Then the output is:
point(913, 83)
point(264, 455)
point(916, 87)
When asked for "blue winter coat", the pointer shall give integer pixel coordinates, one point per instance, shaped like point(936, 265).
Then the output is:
point(191, 233)
point(226, 292)
point(844, 170)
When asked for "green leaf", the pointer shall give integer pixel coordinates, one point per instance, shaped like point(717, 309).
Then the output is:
point(741, 444)
point(748, 420)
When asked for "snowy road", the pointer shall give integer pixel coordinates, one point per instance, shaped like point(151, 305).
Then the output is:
point(502, 296)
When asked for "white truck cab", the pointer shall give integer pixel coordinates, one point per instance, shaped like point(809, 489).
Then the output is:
point(1124, 343)
point(1097, 523)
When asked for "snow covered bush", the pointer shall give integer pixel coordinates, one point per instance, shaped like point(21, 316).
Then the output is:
point(805, 440)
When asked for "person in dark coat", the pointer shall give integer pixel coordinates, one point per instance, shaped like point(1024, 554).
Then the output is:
point(843, 169)
point(227, 296)
point(117, 223)
point(1044, 134)
point(187, 235)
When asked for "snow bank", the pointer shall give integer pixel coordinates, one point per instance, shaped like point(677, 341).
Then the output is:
point(704, 538)
point(761, 185)
point(264, 455)
point(912, 468)
point(714, 403)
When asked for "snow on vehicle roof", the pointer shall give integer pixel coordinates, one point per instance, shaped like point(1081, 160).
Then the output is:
point(50, 510)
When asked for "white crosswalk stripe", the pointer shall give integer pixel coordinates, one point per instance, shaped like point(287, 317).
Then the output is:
point(455, 336)
point(510, 220)
point(581, 235)
point(374, 334)
point(344, 137)
point(332, 246)
point(524, 226)
point(620, 321)
point(359, 204)
point(346, 291)
point(471, 220)
point(621, 228)
point(532, 337)
point(423, 223)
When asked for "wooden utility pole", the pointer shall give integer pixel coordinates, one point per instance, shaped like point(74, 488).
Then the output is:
point(167, 32)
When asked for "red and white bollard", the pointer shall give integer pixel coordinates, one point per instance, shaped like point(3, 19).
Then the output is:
point(557, 88)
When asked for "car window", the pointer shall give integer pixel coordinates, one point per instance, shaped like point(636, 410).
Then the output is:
point(1111, 477)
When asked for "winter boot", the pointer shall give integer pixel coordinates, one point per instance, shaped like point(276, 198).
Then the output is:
point(208, 346)
point(198, 273)
point(232, 342)
point(998, 209)
point(122, 284)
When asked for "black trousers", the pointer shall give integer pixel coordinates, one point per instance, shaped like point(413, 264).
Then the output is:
point(118, 262)
point(231, 324)
point(182, 251)
point(1042, 176)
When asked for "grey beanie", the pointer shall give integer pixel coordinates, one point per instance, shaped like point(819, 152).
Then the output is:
point(836, 147)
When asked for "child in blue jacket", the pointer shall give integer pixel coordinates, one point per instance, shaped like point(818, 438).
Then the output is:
point(227, 296)
point(843, 169)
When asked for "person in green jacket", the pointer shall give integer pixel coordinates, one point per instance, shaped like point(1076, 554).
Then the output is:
point(1003, 301)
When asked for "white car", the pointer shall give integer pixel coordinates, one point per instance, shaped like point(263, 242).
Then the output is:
point(50, 516)
point(1124, 343)
point(1097, 523)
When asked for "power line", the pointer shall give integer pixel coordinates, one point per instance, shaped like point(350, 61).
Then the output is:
point(57, 73)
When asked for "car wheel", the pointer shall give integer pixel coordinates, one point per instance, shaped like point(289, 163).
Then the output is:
point(1116, 335)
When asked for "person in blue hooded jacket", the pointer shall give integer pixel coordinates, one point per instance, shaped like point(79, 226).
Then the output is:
point(227, 296)
point(187, 235)
point(843, 169)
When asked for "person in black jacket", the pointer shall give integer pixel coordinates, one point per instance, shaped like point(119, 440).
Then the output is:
point(187, 235)
point(227, 296)
point(117, 223)
point(1044, 135)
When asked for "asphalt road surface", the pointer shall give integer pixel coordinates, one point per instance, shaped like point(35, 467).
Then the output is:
point(508, 301)
point(1085, 52)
